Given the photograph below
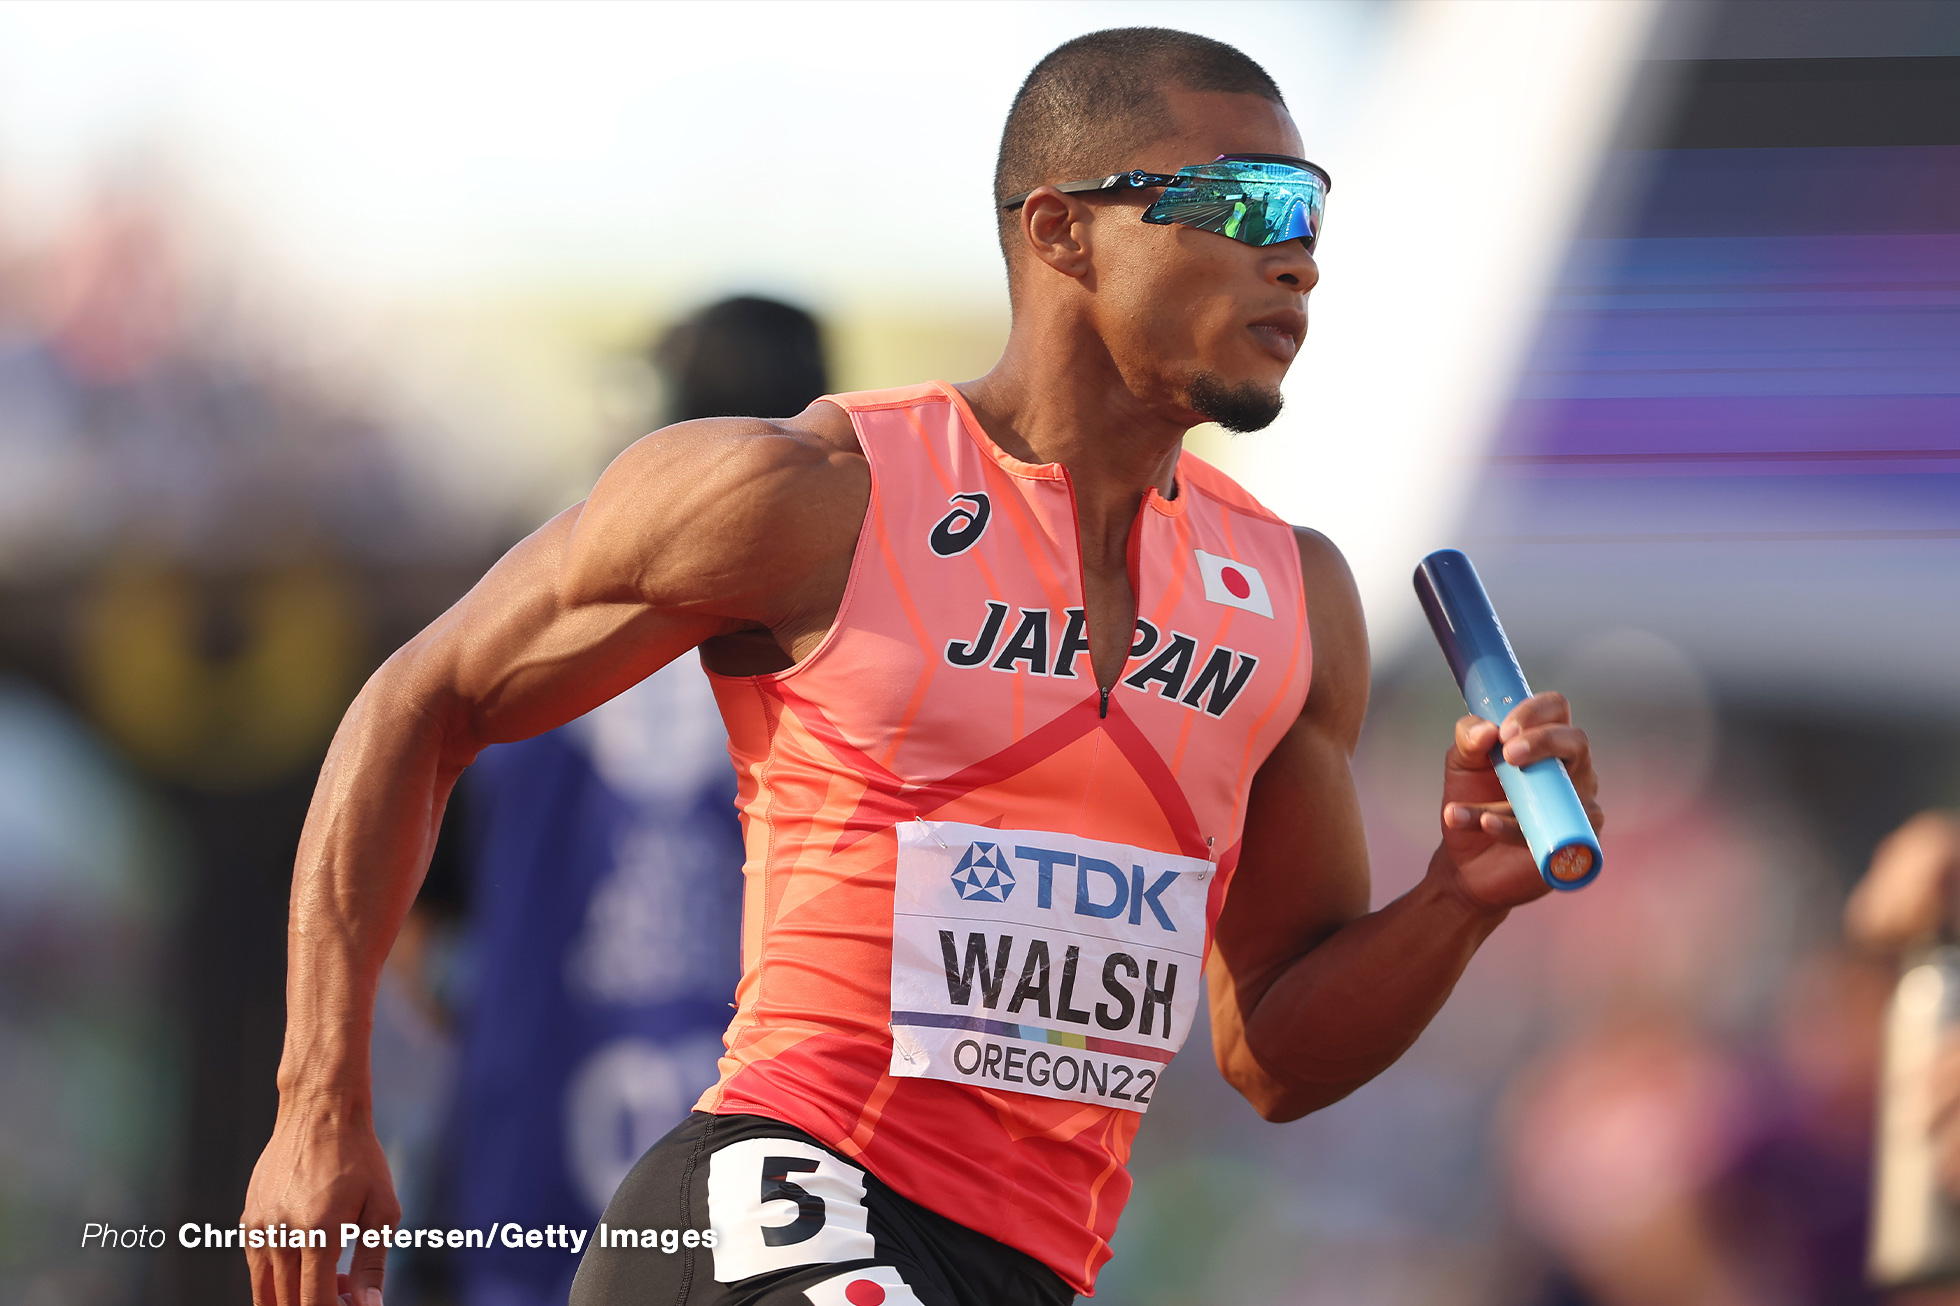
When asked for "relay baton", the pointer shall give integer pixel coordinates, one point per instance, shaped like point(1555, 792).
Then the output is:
point(1543, 800)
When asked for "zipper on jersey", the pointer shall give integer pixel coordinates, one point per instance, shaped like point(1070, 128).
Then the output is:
point(1135, 560)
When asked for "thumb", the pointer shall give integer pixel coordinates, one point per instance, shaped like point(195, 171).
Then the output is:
point(369, 1265)
point(364, 1275)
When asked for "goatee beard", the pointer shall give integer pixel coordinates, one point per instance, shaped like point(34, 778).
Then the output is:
point(1241, 408)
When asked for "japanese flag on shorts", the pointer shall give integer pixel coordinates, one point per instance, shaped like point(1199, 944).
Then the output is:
point(877, 1285)
point(1234, 584)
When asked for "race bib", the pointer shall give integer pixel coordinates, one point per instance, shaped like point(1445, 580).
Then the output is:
point(1043, 963)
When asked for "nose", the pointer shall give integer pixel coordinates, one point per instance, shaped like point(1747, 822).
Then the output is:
point(1291, 267)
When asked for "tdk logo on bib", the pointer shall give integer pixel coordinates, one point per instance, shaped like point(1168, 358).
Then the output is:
point(1081, 986)
point(983, 874)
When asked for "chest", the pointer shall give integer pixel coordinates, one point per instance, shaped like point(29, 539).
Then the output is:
point(985, 616)
point(978, 672)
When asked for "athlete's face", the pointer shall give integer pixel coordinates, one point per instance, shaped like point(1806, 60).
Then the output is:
point(1193, 319)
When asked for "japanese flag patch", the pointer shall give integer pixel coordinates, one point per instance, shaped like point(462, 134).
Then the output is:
point(877, 1285)
point(1234, 584)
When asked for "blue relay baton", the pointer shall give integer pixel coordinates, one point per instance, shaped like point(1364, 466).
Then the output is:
point(1543, 800)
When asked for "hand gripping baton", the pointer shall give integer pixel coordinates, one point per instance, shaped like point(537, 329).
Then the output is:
point(1543, 800)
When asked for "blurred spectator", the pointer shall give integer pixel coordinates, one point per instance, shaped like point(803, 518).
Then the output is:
point(1906, 903)
point(1658, 1165)
point(742, 357)
point(605, 897)
point(1614, 1144)
point(147, 410)
point(202, 544)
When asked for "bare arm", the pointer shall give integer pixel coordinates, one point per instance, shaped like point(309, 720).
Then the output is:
point(1312, 995)
point(735, 533)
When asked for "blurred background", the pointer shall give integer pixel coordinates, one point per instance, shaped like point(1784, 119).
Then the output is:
point(307, 312)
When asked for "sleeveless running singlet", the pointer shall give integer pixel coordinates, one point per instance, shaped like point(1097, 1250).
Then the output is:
point(979, 897)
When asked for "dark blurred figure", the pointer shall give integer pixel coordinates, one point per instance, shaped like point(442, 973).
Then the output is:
point(742, 357)
point(605, 904)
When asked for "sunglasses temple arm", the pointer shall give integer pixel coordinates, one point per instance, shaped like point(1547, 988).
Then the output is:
point(1115, 181)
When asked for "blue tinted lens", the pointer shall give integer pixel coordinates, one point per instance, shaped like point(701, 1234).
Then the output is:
point(1256, 203)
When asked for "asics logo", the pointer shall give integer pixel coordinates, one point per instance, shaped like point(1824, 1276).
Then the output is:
point(961, 529)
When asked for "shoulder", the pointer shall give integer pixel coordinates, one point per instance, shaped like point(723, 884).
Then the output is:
point(1339, 691)
point(1215, 485)
point(819, 441)
point(717, 502)
point(1326, 577)
point(1338, 696)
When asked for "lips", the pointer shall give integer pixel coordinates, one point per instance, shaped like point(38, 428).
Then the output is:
point(1281, 332)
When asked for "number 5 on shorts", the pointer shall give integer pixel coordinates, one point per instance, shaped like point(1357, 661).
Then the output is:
point(775, 1203)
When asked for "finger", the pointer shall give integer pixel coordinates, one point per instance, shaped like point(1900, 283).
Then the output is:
point(369, 1265)
point(264, 1291)
point(285, 1278)
point(1538, 710)
point(1494, 819)
point(1568, 744)
point(1501, 828)
point(1475, 738)
point(1469, 816)
point(317, 1286)
point(343, 1290)
point(365, 1273)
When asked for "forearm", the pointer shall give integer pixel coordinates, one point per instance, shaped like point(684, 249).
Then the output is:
point(362, 855)
point(1342, 1011)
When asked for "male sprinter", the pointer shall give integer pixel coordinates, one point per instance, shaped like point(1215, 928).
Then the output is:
point(1015, 692)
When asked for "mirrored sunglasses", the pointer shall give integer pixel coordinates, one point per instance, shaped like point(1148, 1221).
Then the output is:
point(1257, 199)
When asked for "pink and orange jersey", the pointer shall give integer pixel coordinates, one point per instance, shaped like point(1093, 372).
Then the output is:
point(980, 891)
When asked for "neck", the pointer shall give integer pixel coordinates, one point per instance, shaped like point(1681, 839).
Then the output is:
point(1056, 396)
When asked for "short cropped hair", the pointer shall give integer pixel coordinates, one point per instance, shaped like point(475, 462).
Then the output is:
point(1093, 100)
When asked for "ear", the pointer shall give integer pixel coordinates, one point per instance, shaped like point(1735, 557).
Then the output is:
point(1057, 231)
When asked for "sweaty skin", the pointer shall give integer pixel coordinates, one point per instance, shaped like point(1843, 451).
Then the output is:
point(736, 536)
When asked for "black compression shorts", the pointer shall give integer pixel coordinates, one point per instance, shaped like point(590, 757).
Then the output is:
point(746, 1211)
